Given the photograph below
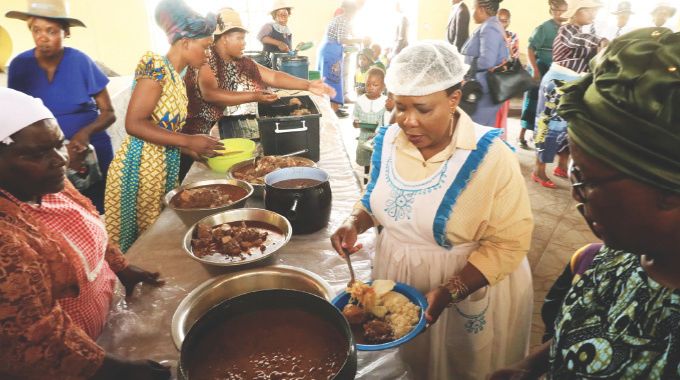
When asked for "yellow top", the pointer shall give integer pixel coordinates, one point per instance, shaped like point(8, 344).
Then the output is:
point(493, 209)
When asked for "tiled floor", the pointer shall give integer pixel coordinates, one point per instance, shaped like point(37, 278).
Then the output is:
point(559, 229)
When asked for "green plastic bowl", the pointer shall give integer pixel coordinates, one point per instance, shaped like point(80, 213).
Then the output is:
point(222, 164)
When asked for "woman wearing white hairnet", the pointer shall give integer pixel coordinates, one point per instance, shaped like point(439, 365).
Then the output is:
point(456, 221)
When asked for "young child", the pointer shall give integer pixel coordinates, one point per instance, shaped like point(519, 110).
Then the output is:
point(369, 113)
point(389, 118)
point(364, 62)
point(377, 59)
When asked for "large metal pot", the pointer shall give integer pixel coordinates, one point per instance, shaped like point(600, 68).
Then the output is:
point(273, 298)
point(191, 215)
point(224, 287)
point(309, 208)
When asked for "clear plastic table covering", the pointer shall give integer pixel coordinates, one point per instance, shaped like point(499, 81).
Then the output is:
point(139, 328)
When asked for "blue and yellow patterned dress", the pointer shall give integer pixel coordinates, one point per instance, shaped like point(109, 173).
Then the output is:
point(142, 173)
point(617, 323)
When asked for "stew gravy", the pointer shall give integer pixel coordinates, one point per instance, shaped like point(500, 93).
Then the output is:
point(276, 343)
point(297, 183)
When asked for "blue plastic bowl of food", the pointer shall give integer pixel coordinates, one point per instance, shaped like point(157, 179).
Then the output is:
point(413, 295)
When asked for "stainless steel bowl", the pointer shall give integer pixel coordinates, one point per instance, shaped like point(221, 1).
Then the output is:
point(244, 214)
point(258, 189)
point(191, 215)
point(218, 289)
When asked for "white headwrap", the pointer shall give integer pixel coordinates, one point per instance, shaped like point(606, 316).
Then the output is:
point(424, 68)
point(19, 111)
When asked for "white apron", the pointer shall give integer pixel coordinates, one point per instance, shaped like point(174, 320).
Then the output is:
point(488, 330)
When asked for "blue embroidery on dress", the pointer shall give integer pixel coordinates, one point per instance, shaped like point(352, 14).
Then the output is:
point(398, 206)
point(475, 322)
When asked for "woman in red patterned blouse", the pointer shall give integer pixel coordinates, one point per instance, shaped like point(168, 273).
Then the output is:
point(58, 270)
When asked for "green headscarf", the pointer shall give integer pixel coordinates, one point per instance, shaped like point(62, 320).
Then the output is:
point(626, 112)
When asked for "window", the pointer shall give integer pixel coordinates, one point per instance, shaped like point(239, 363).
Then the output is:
point(254, 14)
point(606, 22)
point(379, 19)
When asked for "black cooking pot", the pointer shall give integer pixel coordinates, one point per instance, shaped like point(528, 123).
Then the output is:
point(308, 208)
point(272, 298)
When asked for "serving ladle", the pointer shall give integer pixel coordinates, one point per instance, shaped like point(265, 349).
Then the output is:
point(351, 270)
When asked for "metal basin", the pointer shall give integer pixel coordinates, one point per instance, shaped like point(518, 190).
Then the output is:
point(244, 214)
point(191, 215)
point(218, 289)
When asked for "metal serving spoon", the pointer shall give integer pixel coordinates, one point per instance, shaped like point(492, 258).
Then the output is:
point(351, 270)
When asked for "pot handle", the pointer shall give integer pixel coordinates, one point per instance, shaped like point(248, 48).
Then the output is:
point(292, 213)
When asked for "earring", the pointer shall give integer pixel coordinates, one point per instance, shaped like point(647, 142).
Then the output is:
point(451, 126)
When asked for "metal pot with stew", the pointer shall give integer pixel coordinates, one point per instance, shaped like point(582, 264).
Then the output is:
point(302, 195)
point(272, 334)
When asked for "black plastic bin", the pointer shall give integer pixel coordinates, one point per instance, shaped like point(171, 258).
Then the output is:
point(283, 134)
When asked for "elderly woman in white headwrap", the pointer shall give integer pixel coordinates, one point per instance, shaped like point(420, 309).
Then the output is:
point(456, 220)
point(58, 270)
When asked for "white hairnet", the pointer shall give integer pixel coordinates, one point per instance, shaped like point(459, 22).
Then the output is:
point(424, 68)
point(21, 111)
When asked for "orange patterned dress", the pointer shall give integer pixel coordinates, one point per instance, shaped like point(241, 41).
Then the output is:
point(39, 270)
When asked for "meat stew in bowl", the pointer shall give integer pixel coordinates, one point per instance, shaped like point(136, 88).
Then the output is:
point(208, 196)
point(254, 173)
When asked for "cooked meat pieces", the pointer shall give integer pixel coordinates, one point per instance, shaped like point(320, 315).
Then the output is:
point(377, 331)
point(300, 112)
point(266, 165)
point(355, 314)
point(201, 197)
point(204, 232)
point(227, 239)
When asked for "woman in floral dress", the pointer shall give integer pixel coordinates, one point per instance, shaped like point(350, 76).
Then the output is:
point(147, 164)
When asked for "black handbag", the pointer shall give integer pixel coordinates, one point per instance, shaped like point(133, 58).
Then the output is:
point(508, 80)
point(472, 90)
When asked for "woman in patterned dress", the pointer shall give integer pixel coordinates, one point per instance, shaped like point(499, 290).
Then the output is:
point(572, 52)
point(147, 164)
point(620, 318)
point(231, 83)
point(58, 269)
point(455, 217)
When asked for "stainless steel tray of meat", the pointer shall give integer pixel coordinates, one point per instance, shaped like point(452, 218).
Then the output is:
point(215, 290)
point(277, 237)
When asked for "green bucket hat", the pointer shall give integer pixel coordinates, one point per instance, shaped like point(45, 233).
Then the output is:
point(626, 112)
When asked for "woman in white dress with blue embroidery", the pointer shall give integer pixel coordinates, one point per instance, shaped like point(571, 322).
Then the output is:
point(456, 221)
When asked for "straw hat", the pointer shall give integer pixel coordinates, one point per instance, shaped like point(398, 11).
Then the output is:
point(574, 5)
point(51, 9)
point(228, 19)
point(280, 4)
point(666, 5)
point(624, 7)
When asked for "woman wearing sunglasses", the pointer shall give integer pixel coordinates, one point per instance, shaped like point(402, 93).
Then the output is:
point(620, 318)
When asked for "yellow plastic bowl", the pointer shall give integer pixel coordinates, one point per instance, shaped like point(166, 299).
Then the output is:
point(243, 149)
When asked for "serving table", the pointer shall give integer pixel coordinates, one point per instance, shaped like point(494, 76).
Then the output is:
point(140, 327)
